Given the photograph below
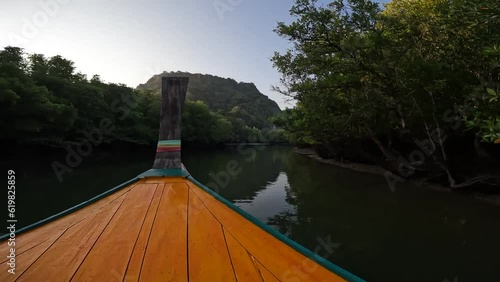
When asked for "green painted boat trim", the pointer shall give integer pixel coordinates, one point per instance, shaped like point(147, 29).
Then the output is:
point(170, 142)
point(296, 246)
point(164, 172)
point(184, 173)
point(70, 210)
point(148, 173)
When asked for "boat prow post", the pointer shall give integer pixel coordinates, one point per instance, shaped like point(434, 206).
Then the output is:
point(168, 160)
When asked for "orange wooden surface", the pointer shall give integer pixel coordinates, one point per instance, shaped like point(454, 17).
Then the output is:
point(71, 248)
point(281, 260)
point(207, 252)
point(159, 229)
point(108, 259)
point(136, 260)
point(165, 258)
point(23, 261)
point(266, 275)
point(244, 265)
point(57, 227)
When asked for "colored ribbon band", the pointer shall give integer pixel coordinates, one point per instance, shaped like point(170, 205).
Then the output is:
point(169, 146)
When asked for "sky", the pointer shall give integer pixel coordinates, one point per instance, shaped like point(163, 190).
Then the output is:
point(128, 41)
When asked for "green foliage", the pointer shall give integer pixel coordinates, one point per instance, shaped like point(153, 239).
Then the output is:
point(44, 100)
point(29, 110)
point(359, 71)
point(200, 125)
point(225, 96)
point(485, 120)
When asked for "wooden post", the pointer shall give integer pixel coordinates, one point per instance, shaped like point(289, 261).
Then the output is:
point(168, 151)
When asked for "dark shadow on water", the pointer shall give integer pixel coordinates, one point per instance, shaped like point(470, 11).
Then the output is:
point(412, 234)
point(40, 194)
point(256, 166)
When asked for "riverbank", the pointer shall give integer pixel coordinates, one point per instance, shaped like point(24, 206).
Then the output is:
point(372, 169)
point(296, 195)
point(376, 170)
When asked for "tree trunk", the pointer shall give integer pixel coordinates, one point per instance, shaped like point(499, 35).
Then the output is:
point(390, 156)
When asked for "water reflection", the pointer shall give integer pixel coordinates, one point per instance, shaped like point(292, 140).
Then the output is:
point(39, 194)
point(410, 235)
point(256, 166)
point(270, 201)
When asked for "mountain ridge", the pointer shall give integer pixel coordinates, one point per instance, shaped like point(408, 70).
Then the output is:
point(224, 95)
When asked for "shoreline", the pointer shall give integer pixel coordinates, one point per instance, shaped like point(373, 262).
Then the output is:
point(377, 170)
point(366, 168)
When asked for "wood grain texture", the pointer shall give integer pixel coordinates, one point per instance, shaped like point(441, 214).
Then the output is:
point(283, 262)
point(173, 94)
point(71, 248)
point(53, 230)
point(24, 261)
point(266, 275)
point(166, 254)
point(244, 266)
point(161, 179)
point(136, 261)
point(108, 259)
point(159, 229)
point(207, 251)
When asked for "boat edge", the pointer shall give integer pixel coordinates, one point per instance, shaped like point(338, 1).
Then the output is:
point(296, 246)
point(70, 210)
point(185, 174)
point(148, 173)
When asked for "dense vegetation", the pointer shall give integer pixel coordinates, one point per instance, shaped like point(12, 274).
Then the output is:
point(45, 101)
point(236, 111)
point(413, 86)
point(235, 100)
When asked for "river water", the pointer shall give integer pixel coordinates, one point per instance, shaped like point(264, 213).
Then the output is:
point(352, 219)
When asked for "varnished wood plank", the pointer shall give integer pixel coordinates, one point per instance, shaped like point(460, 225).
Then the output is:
point(207, 251)
point(108, 259)
point(161, 179)
point(265, 274)
point(62, 259)
point(244, 267)
point(23, 261)
point(55, 228)
point(214, 253)
point(165, 258)
point(136, 260)
point(281, 260)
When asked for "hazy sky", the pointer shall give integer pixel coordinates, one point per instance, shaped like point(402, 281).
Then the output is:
point(127, 41)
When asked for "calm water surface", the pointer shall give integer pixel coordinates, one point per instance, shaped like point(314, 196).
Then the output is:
point(410, 235)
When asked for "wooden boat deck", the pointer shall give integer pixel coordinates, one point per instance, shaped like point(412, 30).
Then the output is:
point(157, 229)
